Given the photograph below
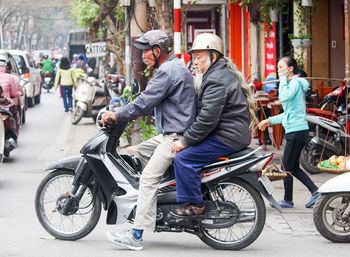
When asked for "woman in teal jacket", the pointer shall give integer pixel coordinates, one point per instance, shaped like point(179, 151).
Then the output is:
point(292, 96)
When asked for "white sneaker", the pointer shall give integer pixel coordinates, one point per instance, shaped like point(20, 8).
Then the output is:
point(125, 239)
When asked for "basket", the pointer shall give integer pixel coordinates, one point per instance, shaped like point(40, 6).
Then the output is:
point(333, 171)
point(273, 176)
point(274, 173)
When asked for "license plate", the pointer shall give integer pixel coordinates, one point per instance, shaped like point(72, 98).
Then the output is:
point(267, 184)
point(47, 79)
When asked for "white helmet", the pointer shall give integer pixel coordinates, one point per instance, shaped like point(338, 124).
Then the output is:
point(208, 41)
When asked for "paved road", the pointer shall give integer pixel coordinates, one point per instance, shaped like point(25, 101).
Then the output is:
point(48, 136)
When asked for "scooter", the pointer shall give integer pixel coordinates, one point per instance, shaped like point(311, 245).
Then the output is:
point(234, 214)
point(331, 213)
point(8, 134)
point(48, 81)
point(327, 138)
point(89, 98)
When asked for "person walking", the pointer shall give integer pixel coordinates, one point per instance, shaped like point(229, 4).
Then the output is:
point(64, 79)
point(292, 90)
point(170, 93)
point(226, 117)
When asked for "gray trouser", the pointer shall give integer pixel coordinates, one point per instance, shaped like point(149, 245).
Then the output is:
point(156, 157)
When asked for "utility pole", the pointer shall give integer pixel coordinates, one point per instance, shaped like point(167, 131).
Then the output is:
point(138, 26)
point(1, 36)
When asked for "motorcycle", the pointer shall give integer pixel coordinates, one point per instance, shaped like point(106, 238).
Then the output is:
point(232, 191)
point(327, 138)
point(8, 132)
point(48, 81)
point(336, 100)
point(89, 98)
point(331, 213)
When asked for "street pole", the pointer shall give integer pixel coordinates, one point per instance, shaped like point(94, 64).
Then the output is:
point(127, 47)
point(1, 37)
point(177, 28)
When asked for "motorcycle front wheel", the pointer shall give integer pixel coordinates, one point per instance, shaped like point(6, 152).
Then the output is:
point(329, 219)
point(77, 115)
point(50, 197)
point(250, 223)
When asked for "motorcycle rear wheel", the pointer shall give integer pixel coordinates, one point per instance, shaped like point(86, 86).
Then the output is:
point(65, 227)
point(251, 210)
point(327, 217)
point(77, 115)
point(309, 159)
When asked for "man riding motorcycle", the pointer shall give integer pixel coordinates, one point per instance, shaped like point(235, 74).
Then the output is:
point(172, 96)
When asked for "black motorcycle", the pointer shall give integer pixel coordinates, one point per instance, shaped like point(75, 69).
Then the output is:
point(68, 200)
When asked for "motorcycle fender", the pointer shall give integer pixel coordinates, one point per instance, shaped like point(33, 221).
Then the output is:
point(340, 183)
point(69, 163)
point(82, 105)
point(253, 180)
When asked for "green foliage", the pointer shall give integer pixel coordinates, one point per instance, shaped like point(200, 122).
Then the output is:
point(265, 7)
point(85, 11)
point(148, 130)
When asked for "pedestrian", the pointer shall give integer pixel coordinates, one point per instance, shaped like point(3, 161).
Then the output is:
point(292, 90)
point(226, 117)
point(170, 93)
point(64, 79)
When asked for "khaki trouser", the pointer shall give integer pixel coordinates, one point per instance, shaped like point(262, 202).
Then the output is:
point(157, 151)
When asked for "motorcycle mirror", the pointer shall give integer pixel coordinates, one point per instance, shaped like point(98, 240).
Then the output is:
point(135, 87)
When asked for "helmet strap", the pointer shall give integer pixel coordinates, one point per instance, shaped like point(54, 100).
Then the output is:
point(155, 58)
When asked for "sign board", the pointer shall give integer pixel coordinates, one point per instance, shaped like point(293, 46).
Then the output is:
point(270, 56)
point(96, 49)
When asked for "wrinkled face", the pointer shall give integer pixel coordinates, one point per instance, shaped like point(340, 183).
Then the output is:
point(148, 57)
point(201, 60)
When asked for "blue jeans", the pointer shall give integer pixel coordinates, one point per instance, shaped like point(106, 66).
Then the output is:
point(188, 165)
point(67, 97)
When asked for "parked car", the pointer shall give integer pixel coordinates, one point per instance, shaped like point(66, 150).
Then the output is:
point(29, 72)
point(13, 69)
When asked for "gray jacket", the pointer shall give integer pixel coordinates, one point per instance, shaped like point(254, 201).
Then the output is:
point(172, 96)
point(222, 110)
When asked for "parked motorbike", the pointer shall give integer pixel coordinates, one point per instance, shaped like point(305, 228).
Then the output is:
point(327, 138)
point(48, 81)
point(8, 132)
point(232, 189)
point(331, 213)
point(336, 100)
point(89, 98)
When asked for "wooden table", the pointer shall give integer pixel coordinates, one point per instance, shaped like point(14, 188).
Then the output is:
point(261, 104)
point(277, 130)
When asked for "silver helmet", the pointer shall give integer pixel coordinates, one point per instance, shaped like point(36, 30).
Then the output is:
point(154, 38)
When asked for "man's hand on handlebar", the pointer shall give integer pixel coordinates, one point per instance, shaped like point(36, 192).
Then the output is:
point(108, 118)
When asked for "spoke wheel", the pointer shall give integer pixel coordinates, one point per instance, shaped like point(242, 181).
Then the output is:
point(328, 217)
point(250, 223)
point(51, 194)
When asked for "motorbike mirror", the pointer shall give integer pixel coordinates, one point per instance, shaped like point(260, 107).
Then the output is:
point(135, 87)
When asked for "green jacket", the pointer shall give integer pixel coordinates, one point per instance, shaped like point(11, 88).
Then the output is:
point(292, 97)
point(48, 65)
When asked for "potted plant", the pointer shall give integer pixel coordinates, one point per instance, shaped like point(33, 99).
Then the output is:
point(296, 41)
point(306, 3)
point(306, 41)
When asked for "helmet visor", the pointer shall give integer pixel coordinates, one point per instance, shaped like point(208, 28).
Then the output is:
point(142, 46)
